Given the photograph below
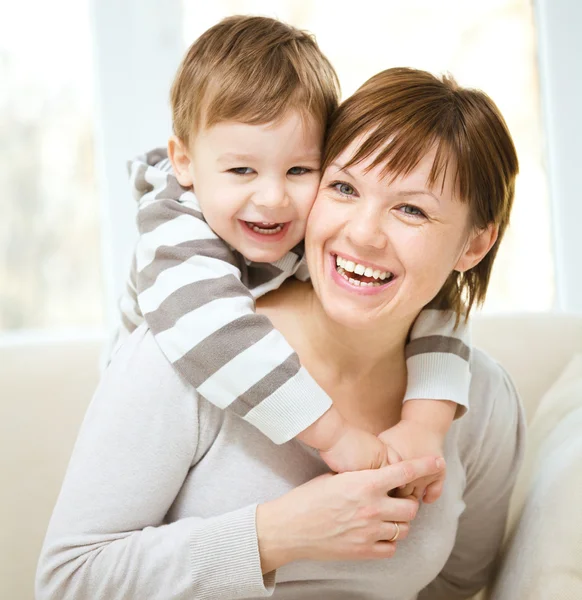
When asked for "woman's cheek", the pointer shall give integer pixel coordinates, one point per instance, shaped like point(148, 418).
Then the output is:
point(326, 216)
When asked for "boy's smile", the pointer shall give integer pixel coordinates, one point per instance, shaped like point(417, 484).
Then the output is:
point(256, 184)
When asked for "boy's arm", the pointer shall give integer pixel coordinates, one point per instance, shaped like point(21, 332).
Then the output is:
point(437, 358)
point(203, 318)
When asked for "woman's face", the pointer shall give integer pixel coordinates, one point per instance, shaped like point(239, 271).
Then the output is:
point(378, 248)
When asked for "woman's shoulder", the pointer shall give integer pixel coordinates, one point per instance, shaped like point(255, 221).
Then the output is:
point(492, 388)
point(139, 370)
point(496, 415)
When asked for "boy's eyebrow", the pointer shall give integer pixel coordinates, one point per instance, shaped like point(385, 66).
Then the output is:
point(236, 157)
point(308, 156)
point(233, 156)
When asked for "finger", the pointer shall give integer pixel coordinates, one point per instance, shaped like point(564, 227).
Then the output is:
point(418, 492)
point(393, 456)
point(389, 531)
point(405, 490)
point(382, 550)
point(401, 510)
point(406, 471)
point(433, 492)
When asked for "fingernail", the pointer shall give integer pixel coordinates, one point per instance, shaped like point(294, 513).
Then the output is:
point(440, 463)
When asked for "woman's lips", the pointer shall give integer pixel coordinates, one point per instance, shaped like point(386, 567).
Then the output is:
point(340, 279)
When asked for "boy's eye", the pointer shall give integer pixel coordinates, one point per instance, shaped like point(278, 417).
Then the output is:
point(241, 170)
point(345, 189)
point(298, 171)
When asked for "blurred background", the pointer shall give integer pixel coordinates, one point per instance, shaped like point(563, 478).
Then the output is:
point(84, 87)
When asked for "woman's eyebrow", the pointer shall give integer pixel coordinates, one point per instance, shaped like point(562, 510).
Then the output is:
point(342, 168)
point(417, 193)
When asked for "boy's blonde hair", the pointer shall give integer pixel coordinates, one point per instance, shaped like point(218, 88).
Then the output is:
point(251, 70)
point(403, 113)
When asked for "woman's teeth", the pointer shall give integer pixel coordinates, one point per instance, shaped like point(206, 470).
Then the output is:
point(265, 228)
point(344, 266)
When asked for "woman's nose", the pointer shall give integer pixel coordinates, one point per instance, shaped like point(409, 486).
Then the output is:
point(365, 229)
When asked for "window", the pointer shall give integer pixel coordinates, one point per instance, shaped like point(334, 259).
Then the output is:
point(50, 271)
point(488, 45)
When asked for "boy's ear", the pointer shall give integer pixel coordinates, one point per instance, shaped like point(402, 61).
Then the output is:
point(180, 158)
point(477, 247)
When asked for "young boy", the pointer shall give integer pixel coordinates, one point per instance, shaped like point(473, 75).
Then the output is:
point(221, 219)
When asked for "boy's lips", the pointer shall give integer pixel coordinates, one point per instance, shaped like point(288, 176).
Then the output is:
point(264, 231)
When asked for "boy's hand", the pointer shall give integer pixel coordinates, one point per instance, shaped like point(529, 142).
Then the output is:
point(356, 449)
point(344, 447)
point(412, 439)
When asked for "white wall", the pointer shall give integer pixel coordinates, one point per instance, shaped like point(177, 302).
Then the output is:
point(137, 46)
point(559, 25)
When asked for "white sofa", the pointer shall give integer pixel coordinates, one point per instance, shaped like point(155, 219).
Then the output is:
point(45, 387)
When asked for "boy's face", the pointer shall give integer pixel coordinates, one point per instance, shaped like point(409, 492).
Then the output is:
point(256, 184)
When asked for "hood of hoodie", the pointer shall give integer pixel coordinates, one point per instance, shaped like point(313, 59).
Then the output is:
point(151, 178)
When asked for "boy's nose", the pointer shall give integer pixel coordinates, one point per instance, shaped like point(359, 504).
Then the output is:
point(272, 195)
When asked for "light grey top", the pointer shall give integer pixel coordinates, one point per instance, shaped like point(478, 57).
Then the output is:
point(160, 497)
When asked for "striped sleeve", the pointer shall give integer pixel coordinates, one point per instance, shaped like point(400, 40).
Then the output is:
point(131, 317)
point(203, 318)
point(437, 359)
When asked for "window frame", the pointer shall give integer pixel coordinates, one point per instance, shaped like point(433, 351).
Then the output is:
point(558, 24)
point(137, 46)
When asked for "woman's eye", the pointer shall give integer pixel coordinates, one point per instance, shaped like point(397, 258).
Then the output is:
point(298, 171)
point(241, 170)
point(412, 211)
point(345, 189)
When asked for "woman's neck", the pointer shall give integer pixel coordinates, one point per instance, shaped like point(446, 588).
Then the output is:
point(364, 371)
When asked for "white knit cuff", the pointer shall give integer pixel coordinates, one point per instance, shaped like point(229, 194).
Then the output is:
point(439, 376)
point(296, 405)
point(225, 554)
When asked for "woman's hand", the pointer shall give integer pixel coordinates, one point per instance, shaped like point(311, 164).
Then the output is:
point(340, 517)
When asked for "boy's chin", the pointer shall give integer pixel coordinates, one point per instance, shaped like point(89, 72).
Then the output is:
point(265, 255)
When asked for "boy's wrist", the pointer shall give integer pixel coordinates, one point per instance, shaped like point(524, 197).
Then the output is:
point(436, 415)
point(325, 432)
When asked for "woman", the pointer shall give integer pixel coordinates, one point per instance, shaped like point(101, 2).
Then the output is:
point(169, 497)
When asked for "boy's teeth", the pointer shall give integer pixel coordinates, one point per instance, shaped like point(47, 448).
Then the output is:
point(359, 269)
point(267, 229)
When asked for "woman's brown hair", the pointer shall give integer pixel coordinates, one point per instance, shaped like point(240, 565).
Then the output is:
point(402, 114)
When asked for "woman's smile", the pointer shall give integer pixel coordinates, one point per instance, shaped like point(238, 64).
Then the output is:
point(359, 277)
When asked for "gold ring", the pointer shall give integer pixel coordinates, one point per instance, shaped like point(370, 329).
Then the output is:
point(395, 536)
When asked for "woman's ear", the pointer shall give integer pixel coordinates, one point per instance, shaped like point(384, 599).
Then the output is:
point(477, 247)
point(180, 158)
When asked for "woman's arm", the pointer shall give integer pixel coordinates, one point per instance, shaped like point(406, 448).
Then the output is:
point(491, 475)
point(107, 537)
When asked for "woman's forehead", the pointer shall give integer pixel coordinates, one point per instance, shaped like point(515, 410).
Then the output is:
point(421, 173)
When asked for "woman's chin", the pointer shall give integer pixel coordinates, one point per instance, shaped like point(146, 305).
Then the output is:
point(358, 312)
